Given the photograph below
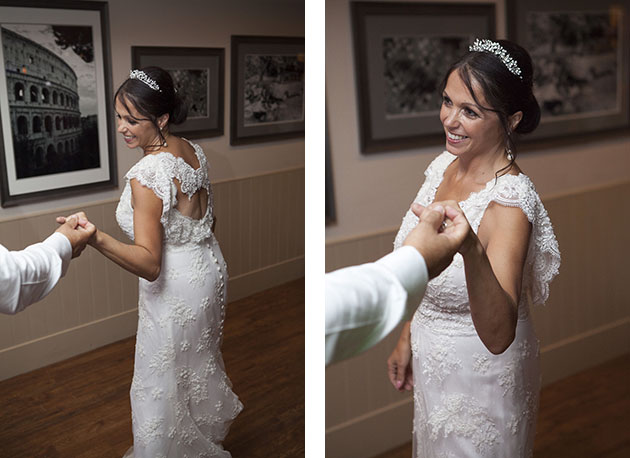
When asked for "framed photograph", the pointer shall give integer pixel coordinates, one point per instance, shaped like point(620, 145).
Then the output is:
point(198, 73)
point(580, 50)
point(402, 52)
point(56, 121)
point(267, 89)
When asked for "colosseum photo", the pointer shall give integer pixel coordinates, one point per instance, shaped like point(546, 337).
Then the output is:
point(50, 133)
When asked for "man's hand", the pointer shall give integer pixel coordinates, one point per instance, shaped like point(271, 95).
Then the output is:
point(440, 233)
point(78, 230)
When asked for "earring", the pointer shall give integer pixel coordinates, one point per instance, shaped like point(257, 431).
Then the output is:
point(508, 153)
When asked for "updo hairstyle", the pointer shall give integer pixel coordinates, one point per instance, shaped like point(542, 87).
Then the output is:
point(152, 103)
point(504, 91)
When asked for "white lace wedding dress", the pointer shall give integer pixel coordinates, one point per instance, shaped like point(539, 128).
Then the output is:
point(182, 401)
point(467, 401)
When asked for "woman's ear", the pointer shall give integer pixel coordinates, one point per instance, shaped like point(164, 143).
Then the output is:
point(162, 121)
point(515, 119)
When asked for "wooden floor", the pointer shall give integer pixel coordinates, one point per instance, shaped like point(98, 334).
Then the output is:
point(79, 408)
point(586, 415)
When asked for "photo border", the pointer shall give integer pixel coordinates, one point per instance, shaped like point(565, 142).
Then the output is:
point(239, 133)
point(57, 189)
point(579, 128)
point(404, 133)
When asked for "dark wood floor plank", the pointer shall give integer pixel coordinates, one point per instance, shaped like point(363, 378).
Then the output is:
point(79, 408)
point(585, 415)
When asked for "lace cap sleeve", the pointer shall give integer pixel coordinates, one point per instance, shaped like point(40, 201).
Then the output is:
point(543, 256)
point(156, 173)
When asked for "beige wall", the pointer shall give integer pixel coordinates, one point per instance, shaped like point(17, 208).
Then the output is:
point(583, 186)
point(259, 194)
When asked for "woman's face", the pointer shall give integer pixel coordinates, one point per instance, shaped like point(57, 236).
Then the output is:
point(137, 131)
point(469, 130)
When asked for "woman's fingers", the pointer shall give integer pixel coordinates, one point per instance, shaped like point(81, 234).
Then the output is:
point(391, 371)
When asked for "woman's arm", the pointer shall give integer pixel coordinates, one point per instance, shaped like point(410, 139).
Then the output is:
point(494, 263)
point(399, 369)
point(144, 257)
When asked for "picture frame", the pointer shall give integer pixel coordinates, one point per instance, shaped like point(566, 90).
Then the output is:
point(267, 89)
point(198, 73)
point(393, 44)
point(580, 75)
point(56, 117)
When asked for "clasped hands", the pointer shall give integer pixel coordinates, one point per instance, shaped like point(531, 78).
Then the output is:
point(77, 229)
point(442, 231)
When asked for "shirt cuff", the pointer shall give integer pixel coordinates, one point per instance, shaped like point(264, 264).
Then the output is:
point(60, 243)
point(408, 265)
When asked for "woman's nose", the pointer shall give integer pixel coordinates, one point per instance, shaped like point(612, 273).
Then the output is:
point(451, 119)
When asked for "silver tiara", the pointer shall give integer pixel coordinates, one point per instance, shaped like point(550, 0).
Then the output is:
point(140, 75)
point(496, 49)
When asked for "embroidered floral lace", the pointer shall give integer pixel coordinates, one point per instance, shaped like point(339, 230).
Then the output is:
point(181, 398)
point(467, 401)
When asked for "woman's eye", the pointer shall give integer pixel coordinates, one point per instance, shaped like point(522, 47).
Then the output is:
point(471, 113)
point(132, 122)
point(446, 100)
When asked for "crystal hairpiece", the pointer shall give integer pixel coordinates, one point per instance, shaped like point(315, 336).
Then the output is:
point(140, 75)
point(495, 48)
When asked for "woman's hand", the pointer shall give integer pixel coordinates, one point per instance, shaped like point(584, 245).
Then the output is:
point(399, 363)
point(83, 222)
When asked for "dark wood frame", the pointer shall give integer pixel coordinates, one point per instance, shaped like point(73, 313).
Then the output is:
point(425, 14)
point(211, 126)
point(6, 199)
point(239, 133)
point(585, 128)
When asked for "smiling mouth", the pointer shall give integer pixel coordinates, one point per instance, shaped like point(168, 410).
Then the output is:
point(455, 137)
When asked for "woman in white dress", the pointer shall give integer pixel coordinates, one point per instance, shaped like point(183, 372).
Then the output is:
point(470, 353)
point(181, 398)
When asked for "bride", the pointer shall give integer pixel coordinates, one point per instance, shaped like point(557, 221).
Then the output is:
point(470, 353)
point(181, 398)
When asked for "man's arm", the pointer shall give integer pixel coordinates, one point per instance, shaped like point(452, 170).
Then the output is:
point(365, 303)
point(29, 275)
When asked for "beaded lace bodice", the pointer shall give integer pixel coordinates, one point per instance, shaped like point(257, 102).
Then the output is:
point(157, 172)
point(445, 304)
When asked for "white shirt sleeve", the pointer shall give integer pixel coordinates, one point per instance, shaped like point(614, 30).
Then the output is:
point(29, 275)
point(365, 303)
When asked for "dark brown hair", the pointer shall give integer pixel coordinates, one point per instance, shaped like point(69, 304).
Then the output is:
point(504, 91)
point(152, 103)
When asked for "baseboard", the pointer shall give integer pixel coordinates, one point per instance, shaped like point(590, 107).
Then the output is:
point(585, 350)
point(71, 342)
point(259, 280)
point(373, 433)
point(357, 437)
point(66, 344)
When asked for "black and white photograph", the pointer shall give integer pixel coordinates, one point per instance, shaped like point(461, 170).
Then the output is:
point(581, 55)
point(412, 68)
point(401, 51)
point(578, 60)
point(274, 89)
point(193, 83)
point(267, 89)
point(56, 119)
point(51, 83)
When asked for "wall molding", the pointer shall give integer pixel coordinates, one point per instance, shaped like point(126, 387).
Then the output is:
point(56, 347)
point(71, 208)
point(546, 198)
